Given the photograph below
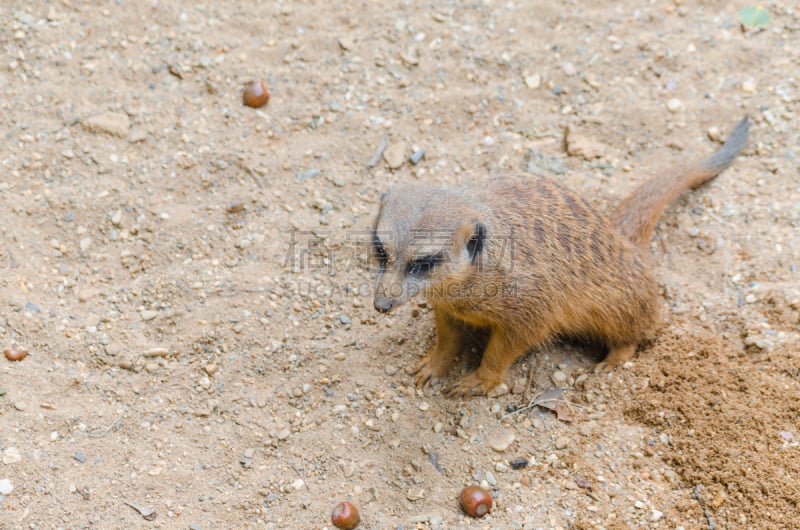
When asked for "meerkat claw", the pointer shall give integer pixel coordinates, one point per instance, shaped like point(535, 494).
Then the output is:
point(423, 373)
point(601, 367)
point(470, 385)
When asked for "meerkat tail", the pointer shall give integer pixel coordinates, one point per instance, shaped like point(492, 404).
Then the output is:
point(637, 214)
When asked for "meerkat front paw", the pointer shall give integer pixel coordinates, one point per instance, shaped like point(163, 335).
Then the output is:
point(473, 384)
point(428, 369)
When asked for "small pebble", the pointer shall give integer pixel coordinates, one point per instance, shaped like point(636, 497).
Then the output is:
point(533, 81)
point(5, 487)
point(11, 456)
point(346, 43)
point(748, 86)
point(416, 156)
point(80, 457)
point(113, 123)
point(211, 368)
point(390, 370)
point(569, 69)
point(156, 352)
point(395, 155)
point(499, 390)
point(148, 314)
point(236, 207)
point(519, 463)
point(500, 441)
point(714, 133)
point(559, 376)
point(656, 516)
point(674, 105)
point(307, 174)
point(562, 442)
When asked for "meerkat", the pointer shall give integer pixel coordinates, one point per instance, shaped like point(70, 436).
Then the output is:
point(516, 262)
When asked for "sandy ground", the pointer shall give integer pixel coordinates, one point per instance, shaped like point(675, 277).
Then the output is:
point(188, 276)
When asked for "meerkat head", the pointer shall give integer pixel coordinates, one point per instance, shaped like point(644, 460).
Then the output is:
point(424, 241)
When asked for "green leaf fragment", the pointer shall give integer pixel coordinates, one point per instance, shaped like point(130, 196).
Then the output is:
point(754, 16)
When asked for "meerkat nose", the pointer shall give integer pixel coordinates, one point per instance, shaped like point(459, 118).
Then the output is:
point(383, 304)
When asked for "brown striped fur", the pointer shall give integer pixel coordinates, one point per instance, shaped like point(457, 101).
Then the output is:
point(518, 261)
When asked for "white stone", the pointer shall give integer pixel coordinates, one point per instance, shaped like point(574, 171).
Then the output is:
point(533, 81)
point(11, 456)
point(501, 440)
point(499, 390)
point(148, 314)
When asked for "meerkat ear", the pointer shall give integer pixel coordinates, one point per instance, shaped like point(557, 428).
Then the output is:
point(476, 242)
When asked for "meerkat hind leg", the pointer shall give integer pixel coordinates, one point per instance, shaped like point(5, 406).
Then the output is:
point(616, 356)
point(451, 335)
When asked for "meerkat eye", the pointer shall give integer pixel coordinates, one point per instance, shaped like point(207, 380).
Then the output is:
point(424, 266)
point(379, 251)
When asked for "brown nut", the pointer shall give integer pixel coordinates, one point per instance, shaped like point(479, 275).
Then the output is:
point(15, 352)
point(345, 516)
point(255, 95)
point(476, 501)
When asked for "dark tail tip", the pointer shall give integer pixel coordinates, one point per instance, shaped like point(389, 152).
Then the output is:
point(732, 146)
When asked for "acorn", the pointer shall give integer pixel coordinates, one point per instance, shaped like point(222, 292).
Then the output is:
point(345, 516)
point(476, 501)
point(15, 352)
point(255, 95)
